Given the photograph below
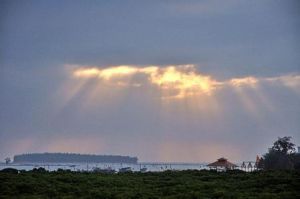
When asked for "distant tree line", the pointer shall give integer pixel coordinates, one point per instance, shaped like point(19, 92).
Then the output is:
point(72, 158)
point(282, 156)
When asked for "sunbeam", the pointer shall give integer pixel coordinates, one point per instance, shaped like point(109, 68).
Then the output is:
point(182, 84)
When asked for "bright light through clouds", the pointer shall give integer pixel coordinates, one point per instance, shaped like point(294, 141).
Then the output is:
point(249, 81)
point(182, 80)
point(166, 80)
point(179, 81)
point(107, 73)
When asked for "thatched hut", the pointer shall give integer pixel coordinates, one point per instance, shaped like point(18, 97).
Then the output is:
point(222, 164)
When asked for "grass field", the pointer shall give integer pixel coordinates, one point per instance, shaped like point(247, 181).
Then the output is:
point(169, 184)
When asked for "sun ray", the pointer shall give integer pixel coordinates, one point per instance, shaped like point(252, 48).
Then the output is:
point(178, 87)
point(174, 81)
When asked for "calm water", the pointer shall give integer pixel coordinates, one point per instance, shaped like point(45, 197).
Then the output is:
point(116, 166)
point(149, 166)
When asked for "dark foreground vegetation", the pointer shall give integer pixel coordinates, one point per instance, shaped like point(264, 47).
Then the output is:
point(169, 184)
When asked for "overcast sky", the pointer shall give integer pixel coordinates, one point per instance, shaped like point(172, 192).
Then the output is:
point(180, 81)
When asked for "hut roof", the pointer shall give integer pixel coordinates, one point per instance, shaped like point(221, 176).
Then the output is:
point(222, 162)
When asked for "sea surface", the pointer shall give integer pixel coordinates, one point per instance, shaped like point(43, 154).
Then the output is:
point(144, 166)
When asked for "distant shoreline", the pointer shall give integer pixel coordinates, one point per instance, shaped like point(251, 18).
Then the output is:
point(42, 158)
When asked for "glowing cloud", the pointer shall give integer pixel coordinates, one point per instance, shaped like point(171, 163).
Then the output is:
point(186, 81)
point(182, 80)
point(177, 82)
point(107, 73)
point(249, 81)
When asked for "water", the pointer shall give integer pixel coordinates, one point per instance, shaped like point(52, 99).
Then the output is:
point(150, 166)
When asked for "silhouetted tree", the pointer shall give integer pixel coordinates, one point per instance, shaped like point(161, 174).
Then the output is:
point(39, 170)
point(280, 156)
point(296, 161)
point(9, 170)
point(276, 160)
point(284, 145)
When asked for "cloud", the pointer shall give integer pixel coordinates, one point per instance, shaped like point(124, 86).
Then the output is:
point(210, 8)
point(158, 113)
point(242, 89)
point(291, 81)
point(176, 81)
point(248, 81)
point(180, 81)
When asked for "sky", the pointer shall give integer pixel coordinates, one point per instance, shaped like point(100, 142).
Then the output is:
point(166, 81)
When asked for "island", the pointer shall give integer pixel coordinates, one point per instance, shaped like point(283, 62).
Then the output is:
point(72, 158)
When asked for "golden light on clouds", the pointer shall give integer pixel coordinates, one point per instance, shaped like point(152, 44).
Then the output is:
point(186, 81)
point(250, 81)
point(180, 80)
point(172, 82)
point(106, 73)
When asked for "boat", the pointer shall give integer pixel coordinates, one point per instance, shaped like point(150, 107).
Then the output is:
point(143, 169)
point(106, 170)
point(125, 169)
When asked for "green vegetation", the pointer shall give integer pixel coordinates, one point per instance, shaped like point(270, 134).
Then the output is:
point(170, 184)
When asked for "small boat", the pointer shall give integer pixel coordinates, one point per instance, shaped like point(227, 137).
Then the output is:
point(143, 169)
point(106, 170)
point(125, 169)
